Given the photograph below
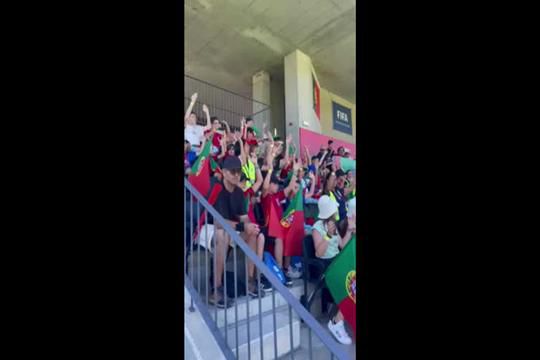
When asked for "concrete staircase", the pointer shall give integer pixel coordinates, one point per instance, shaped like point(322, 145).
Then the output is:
point(239, 313)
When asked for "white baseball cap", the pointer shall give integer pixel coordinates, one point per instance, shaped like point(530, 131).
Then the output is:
point(327, 207)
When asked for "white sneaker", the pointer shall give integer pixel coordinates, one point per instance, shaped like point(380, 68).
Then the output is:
point(294, 273)
point(339, 332)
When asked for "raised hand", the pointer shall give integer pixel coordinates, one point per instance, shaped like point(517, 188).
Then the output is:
point(289, 139)
point(194, 97)
point(331, 228)
point(251, 229)
point(351, 227)
point(205, 108)
point(296, 165)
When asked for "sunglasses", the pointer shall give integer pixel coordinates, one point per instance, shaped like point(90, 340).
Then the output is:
point(235, 172)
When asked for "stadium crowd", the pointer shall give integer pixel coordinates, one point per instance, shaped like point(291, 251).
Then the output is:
point(261, 176)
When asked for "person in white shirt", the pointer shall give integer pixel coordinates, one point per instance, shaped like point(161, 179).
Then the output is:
point(192, 132)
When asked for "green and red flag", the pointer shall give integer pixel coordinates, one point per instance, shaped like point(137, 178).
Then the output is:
point(289, 176)
point(214, 165)
point(293, 225)
point(275, 229)
point(212, 198)
point(340, 278)
point(200, 171)
point(257, 132)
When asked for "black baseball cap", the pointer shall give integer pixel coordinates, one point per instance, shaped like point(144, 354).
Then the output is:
point(231, 163)
point(340, 173)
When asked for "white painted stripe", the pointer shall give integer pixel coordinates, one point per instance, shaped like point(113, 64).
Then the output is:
point(190, 339)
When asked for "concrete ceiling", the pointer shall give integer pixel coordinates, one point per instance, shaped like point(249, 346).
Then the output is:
point(227, 41)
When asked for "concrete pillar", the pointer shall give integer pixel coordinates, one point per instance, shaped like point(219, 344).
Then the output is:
point(299, 112)
point(261, 93)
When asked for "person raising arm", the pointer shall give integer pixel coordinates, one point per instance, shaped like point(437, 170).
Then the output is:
point(187, 116)
point(311, 192)
point(208, 120)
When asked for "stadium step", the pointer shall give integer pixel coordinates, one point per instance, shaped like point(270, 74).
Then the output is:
point(282, 335)
point(266, 305)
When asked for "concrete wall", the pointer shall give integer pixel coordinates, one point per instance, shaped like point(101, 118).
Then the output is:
point(277, 101)
point(299, 73)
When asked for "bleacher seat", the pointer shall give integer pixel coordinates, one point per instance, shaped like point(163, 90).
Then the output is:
point(311, 262)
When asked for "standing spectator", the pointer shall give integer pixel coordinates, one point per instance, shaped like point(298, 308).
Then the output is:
point(226, 151)
point(217, 136)
point(192, 132)
point(250, 195)
point(314, 166)
point(189, 157)
point(248, 157)
point(271, 199)
point(254, 131)
point(341, 193)
point(329, 189)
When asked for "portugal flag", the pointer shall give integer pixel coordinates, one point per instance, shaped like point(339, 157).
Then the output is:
point(212, 198)
point(275, 229)
point(341, 281)
point(316, 97)
point(293, 225)
point(200, 171)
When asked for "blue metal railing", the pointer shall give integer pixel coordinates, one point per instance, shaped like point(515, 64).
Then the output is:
point(195, 198)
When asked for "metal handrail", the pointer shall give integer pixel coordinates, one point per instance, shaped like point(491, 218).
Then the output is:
point(229, 111)
point(308, 319)
point(208, 319)
point(220, 88)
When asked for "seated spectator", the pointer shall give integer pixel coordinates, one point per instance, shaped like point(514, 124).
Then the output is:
point(328, 242)
point(231, 205)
